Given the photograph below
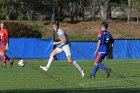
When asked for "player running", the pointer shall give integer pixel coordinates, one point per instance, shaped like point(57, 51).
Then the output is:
point(105, 42)
point(63, 46)
point(4, 45)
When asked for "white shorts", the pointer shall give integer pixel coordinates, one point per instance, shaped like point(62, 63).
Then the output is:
point(65, 48)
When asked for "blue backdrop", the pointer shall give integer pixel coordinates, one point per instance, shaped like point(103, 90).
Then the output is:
point(39, 48)
point(126, 49)
point(30, 48)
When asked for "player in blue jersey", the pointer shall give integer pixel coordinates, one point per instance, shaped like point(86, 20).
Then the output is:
point(64, 46)
point(105, 43)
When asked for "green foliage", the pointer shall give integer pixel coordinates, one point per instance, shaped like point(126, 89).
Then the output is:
point(42, 9)
point(136, 4)
point(20, 30)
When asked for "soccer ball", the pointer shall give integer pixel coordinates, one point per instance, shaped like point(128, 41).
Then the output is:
point(21, 63)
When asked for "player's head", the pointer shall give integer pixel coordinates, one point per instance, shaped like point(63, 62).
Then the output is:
point(104, 25)
point(55, 25)
point(1, 25)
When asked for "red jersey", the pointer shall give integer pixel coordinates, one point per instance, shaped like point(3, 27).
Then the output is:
point(4, 36)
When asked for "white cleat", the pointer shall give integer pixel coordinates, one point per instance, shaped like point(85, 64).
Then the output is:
point(44, 68)
point(82, 72)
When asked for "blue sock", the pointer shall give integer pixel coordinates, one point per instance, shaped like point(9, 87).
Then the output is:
point(95, 70)
point(102, 67)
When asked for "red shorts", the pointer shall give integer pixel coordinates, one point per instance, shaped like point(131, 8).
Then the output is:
point(2, 48)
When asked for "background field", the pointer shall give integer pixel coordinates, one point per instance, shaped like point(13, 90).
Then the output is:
point(65, 78)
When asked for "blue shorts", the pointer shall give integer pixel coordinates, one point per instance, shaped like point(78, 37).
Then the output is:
point(100, 57)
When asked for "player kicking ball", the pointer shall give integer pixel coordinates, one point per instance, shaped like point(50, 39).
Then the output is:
point(63, 46)
point(4, 45)
point(105, 42)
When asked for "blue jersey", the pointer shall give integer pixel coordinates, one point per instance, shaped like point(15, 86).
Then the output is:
point(106, 39)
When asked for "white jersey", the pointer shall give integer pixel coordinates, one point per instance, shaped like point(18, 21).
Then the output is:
point(64, 46)
point(60, 33)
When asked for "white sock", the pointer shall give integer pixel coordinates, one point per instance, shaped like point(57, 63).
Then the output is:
point(77, 66)
point(50, 61)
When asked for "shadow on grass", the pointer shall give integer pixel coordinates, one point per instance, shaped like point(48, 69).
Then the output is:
point(89, 90)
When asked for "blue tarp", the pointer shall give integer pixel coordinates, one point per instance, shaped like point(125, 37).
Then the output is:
point(39, 48)
point(80, 51)
point(30, 48)
point(126, 49)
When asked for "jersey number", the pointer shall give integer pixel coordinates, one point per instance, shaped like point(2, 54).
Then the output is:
point(107, 38)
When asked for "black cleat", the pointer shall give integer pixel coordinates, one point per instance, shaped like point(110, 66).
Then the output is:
point(108, 72)
point(91, 76)
point(11, 63)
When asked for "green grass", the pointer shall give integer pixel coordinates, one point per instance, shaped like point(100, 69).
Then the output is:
point(63, 77)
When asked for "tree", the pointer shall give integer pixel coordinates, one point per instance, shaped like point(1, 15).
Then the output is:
point(104, 10)
point(129, 12)
point(136, 7)
point(53, 12)
point(7, 8)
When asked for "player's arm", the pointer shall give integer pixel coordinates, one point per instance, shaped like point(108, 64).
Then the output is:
point(99, 42)
point(7, 39)
point(62, 41)
point(112, 42)
point(98, 46)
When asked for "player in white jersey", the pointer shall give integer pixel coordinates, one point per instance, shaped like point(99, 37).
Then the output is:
point(63, 46)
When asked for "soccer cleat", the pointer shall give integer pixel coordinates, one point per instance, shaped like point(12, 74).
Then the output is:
point(3, 66)
point(92, 76)
point(82, 72)
point(11, 62)
point(108, 72)
point(44, 68)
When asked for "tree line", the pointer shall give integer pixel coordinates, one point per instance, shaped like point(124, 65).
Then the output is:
point(60, 9)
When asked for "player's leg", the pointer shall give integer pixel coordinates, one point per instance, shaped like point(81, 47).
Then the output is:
point(3, 59)
point(66, 49)
point(94, 71)
point(95, 68)
point(9, 60)
point(76, 65)
point(98, 63)
point(54, 52)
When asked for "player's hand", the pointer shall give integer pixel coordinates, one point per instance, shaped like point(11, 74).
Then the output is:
point(95, 52)
point(55, 43)
point(6, 47)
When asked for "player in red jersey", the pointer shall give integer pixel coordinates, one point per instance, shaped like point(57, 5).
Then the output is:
point(4, 45)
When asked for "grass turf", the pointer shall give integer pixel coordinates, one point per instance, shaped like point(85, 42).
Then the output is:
point(63, 77)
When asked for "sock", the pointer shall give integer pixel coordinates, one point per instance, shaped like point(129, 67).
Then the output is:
point(95, 70)
point(102, 67)
point(4, 61)
point(77, 66)
point(3, 58)
point(50, 61)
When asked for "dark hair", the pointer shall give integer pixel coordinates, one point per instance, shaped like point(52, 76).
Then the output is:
point(56, 23)
point(104, 24)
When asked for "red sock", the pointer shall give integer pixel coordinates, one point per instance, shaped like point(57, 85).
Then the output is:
point(4, 61)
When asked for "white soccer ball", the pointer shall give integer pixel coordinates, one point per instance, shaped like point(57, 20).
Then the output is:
point(21, 63)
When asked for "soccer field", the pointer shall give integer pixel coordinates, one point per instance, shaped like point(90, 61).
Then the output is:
point(63, 77)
